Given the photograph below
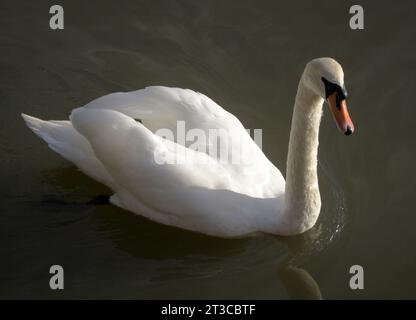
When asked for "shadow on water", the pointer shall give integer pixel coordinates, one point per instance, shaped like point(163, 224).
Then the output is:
point(181, 254)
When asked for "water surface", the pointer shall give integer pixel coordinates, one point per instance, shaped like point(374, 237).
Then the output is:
point(248, 57)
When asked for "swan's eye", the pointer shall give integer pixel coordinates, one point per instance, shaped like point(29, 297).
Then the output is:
point(331, 88)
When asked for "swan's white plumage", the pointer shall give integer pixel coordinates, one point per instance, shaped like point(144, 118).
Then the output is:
point(222, 199)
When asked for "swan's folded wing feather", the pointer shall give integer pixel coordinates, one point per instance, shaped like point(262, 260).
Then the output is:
point(162, 107)
point(133, 156)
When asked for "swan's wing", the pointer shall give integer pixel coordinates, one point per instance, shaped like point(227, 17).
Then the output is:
point(133, 156)
point(162, 108)
point(132, 152)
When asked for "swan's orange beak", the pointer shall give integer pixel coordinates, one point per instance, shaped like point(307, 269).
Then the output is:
point(340, 112)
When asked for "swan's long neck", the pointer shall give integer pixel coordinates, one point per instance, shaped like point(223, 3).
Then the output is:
point(302, 197)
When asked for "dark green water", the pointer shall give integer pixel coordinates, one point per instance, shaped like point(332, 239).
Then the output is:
point(248, 57)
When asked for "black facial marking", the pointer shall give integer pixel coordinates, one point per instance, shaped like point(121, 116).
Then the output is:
point(330, 88)
point(139, 120)
point(101, 199)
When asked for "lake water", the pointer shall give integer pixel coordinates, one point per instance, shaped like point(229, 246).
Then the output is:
point(248, 57)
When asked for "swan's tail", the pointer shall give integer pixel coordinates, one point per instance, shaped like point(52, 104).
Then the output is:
point(50, 131)
point(33, 123)
point(62, 138)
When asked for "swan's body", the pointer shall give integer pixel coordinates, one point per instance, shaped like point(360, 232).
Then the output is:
point(222, 199)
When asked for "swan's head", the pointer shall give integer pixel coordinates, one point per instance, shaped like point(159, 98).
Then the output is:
point(325, 77)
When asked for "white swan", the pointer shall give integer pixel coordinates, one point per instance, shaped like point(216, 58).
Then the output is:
point(221, 199)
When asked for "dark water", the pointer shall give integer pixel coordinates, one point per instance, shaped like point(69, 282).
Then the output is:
point(248, 57)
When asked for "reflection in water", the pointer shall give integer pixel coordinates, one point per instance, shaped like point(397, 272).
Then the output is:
point(175, 254)
point(299, 284)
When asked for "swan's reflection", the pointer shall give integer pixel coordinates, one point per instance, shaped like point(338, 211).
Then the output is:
point(183, 255)
point(298, 282)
